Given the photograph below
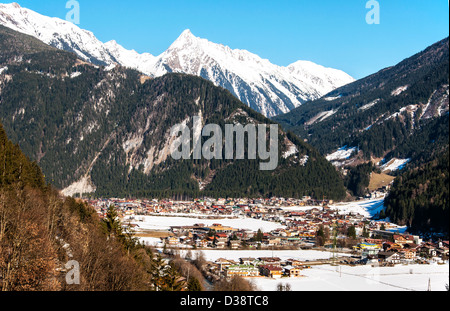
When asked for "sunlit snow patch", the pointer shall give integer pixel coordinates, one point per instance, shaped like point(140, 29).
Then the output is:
point(399, 90)
point(342, 154)
point(394, 165)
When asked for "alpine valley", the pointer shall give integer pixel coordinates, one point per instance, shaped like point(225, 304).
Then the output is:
point(94, 195)
point(96, 118)
point(392, 123)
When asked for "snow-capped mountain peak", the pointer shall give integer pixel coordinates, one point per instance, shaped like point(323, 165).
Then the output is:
point(267, 88)
point(130, 58)
point(186, 35)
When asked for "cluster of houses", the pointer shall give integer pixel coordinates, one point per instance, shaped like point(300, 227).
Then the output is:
point(299, 224)
point(217, 236)
point(373, 240)
point(206, 206)
point(272, 267)
point(401, 248)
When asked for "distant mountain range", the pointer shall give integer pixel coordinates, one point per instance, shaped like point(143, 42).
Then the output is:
point(265, 87)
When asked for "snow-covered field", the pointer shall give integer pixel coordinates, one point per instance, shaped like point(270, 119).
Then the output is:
point(367, 208)
point(164, 223)
point(364, 278)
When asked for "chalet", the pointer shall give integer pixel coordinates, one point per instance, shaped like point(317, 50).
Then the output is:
point(221, 229)
point(408, 254)
point(181, 229)
point(235, 244)
point(221, 240)
point(271, 271)
point(202, 243)
point(249, 261)
point(294, 262)
point(390, 257)
point(292, 272)
point(221, 201)
point(210, 241)
point(442, 251)
point(410, 246)
point(368, 249)
point(428, 249)
point(403, 239)
point(375, 241)
point(391, 246)
point(365, 245)
point(172, 240)
point(274, 241)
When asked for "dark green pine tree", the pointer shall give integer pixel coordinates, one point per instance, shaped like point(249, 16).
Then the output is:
point(194, 285)
point(111, 223)
point(351, 233)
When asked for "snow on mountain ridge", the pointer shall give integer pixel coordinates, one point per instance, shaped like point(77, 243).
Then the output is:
point(271, 89)
point(55, 32)
point(265, 87)
point(130, 58)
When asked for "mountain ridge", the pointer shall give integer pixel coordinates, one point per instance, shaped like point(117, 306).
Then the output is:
point(379, 116)
point(267, 88)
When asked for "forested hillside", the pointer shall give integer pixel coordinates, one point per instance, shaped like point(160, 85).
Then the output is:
point(106, 131)
point(420, 197)
point(40, 232)
point(401, 111)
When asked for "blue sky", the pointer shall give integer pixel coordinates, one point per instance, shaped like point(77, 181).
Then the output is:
point(330, 33)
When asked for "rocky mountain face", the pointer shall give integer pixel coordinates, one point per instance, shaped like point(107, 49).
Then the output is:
point(265, 87)
point(106, 130)
point(398, 115)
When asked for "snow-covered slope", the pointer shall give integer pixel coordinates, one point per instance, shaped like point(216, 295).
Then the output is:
point(55, 32)
point(66, 36)
point(130, 58)
point(267, 88)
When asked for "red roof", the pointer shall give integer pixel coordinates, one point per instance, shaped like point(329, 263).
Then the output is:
point(272, 268)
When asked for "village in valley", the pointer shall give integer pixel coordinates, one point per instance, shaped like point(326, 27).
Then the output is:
point(352, 237)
